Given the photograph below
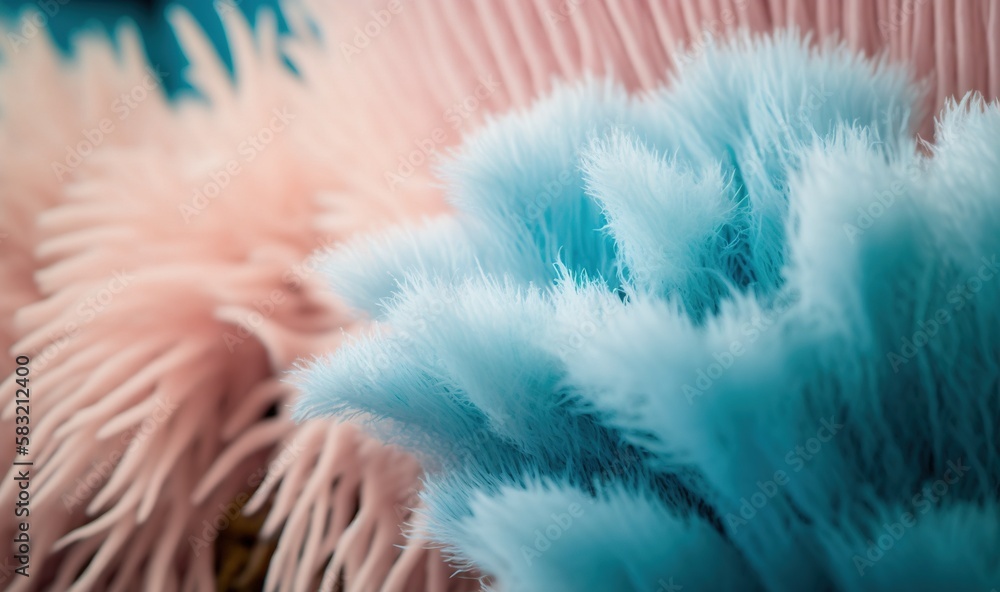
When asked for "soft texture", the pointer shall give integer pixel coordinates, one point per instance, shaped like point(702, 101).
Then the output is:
point(738, 334)
point(363, 108)
point(159, 322)
point(953, 47)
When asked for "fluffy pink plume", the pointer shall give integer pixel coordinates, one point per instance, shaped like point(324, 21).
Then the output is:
point(165, 281)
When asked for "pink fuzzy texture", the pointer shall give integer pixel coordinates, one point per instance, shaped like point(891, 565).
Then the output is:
point(151, 374)
point(156, 353)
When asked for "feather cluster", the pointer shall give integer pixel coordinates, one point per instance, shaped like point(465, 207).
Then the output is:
point(159, 273)
point(161, 295)
point(739, 333)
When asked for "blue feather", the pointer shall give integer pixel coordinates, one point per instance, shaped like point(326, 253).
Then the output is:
point(730, 335)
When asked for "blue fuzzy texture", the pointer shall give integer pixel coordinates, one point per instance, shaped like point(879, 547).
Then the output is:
point(739, 334)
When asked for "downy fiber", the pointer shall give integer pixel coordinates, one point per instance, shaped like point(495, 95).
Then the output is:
point(738, 333)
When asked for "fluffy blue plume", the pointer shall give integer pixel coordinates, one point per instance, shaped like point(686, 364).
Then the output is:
point(742, 333)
